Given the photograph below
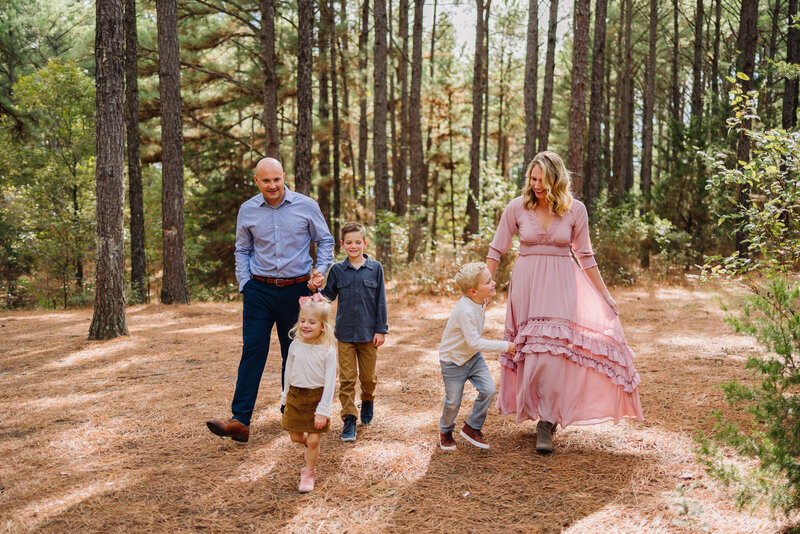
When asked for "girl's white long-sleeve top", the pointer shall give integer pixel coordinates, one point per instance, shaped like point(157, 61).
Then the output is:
point(462, 335)
point(311, 366)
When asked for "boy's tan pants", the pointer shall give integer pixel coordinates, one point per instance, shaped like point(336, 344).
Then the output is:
point(356, 360)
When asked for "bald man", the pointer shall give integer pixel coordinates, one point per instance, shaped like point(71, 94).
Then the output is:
point(274, 231)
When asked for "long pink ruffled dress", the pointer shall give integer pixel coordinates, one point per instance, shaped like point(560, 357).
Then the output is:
point(572, 366)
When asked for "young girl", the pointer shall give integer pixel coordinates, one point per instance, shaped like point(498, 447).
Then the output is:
point(310, 378)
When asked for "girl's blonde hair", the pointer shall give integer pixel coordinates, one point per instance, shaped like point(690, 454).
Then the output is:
point(556, 179)
point(323, 310)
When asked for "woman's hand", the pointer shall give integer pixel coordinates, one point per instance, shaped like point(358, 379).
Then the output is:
point(611, 302)
point(319, 421)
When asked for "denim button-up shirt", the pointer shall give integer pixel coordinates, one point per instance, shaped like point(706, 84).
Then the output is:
point(274, 241)
point(362, 300)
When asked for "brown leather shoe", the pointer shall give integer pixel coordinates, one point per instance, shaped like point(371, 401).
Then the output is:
point(233, 429)
point(474, 436)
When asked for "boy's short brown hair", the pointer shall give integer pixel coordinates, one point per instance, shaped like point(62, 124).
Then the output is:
point(353, 227)
point(469, 275)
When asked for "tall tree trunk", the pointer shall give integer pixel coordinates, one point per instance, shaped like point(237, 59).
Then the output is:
point(108, 320)
point(487, 10)
point(394, 70)
point(593, 169)
point(577, 100)
point(475, 144)
point(765, 103)
point(647, 119)
point(384, 233)
point(323, 136)
point(451, 164)
point(174, 288)
point(305, 99)
point(344, 67)
point(337, 185)
point(418, 178)
point(401, 170)
point(431, 63)
point(269, 84)
point(675, 89)
point(362, 121)
point(437, 186)
point(697, 64)
point(139, 289)
point(715, 58)
point(746, 43)
point(789, 110)
point(549, 73)
point(531, 79)
point(501, 95)
point(628, 99)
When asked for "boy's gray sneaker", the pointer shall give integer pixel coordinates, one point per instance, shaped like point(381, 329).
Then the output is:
point(367, 408)
point(349, 429)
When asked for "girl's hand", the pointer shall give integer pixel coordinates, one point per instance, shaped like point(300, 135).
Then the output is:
point(612, 303)
point(378, 339)
point(319, 421)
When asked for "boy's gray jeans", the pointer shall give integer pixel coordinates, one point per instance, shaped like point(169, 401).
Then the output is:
point(455, 376)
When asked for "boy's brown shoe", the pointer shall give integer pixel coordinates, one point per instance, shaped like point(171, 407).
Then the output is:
point(233, 429)
point(473, 436)
point(446, 441)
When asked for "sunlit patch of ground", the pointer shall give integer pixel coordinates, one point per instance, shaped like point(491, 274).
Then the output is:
point(110, 436)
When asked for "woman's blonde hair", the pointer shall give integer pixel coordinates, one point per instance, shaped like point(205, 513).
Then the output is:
point(556, 179)
point(323, 310)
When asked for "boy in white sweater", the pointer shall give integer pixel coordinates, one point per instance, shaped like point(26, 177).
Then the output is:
point(461, 359)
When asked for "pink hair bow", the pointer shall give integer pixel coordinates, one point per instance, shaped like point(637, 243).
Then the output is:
point(316, 297)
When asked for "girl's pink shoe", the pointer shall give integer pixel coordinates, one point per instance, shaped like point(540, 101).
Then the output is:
point(307, 477)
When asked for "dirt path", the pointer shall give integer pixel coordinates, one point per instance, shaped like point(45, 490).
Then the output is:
point(110, 436)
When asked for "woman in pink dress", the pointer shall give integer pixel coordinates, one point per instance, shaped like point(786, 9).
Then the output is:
point(572, 366)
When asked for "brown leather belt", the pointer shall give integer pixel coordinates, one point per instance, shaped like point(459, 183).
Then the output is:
point(281, 282)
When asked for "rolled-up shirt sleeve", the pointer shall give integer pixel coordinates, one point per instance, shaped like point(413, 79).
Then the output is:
point(320, 235)
point(243, 251)
point(581, 242)
point(381, 319)
point(504, 234)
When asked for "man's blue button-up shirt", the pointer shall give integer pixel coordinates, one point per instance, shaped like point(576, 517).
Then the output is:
point(361, 312)
point(275, 241)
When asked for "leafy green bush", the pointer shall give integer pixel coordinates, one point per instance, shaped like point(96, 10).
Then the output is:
point(771, 230)
point(621, 234)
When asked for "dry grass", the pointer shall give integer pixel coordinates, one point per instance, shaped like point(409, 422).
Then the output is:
point(110, 436)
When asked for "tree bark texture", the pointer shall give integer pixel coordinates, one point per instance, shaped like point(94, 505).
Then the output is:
point(108, 320)
point(715, 57)
point(790, 88)
point(323, 134)
point(594, 149)
point(577, 100)
point(623, 132)
point(305, 100)
point(337, 185)
point(139, 286)
point(384, 232)
point(269, 81)
point(649, 104)
point(549, 73)
point(472, 226)
point(697, 64)
point(400, 178)
point(418, 178)
point(174, 288)
point(531, 79)
point(746, 43)
point(362, 120)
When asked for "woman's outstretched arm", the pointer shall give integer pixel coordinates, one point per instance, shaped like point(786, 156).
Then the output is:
point(597, 281)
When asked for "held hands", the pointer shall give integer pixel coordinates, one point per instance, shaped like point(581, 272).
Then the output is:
point(317, 278)
point(378, 340)
point(319, 421)
point(512, 348)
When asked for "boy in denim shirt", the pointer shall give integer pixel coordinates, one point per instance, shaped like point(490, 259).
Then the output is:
point(360, 324)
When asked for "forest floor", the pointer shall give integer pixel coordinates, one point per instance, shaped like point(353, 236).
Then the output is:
point(110, 436)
